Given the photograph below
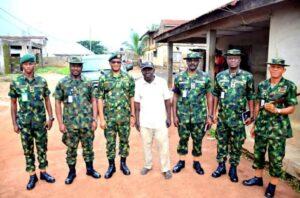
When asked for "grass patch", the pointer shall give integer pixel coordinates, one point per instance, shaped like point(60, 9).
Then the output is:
point(52, 69)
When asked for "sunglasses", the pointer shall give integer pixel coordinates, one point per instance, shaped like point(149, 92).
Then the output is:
point(114, 62)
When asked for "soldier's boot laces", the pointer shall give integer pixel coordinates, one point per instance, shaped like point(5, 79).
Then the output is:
point(270, 191)
point(255, 181)
point(221, 170)
point(90, 171)
point(32, 181)
point(111, 169)
point(233, 174)
point(180, 165)
point(48, 178)
point(124, 167)
point(198, 168)
point(71, 176)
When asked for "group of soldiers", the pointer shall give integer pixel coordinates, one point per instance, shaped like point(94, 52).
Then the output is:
point(197, 104)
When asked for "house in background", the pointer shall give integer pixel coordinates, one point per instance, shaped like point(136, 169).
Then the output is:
point(13, 47)
point(158, 52)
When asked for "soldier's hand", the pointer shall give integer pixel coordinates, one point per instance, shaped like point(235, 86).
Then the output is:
point(176, 121)
point(168, 123)
point(103, 124)
point(49, 124)
point(16, 129)
point(252, 132)
point(94, 126)
point(270, 107)
point(62, 128)
point(132, 121)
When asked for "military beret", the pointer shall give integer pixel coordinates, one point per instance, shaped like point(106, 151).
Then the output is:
point(75, 60)
point(234, 52)
point(193, 55)
point(147, 65)
point(114, 56)
point(28, 58)
point(278, 61)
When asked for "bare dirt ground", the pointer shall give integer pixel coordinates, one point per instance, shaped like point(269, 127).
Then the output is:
point(13, 178)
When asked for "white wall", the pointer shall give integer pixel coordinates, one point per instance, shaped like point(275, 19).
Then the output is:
point(1, 59)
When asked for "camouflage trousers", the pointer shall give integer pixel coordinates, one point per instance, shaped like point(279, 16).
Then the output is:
point(276, 152)
point(29, 135)
point(230, 141)
point(72, 138)
point(196, 131)
point(111, 131)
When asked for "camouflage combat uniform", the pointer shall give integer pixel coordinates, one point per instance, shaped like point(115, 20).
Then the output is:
point(191, 109)
point(233, 92)
point(77, 116)
point(271, 130)
point(31, 118)
point(116, 92)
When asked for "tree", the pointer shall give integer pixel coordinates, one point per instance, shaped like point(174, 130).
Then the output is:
point(96, 46)
point(136, 45)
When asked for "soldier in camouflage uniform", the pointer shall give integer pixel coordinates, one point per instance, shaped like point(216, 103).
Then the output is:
point(79, 120)
point(191, 102)
point(31, 91)
point(272, 126)
point(116, 112)
point(234, 88)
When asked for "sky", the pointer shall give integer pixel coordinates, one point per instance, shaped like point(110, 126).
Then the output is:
point(111, 22)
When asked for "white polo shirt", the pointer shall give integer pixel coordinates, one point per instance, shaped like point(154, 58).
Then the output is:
point(151, 97)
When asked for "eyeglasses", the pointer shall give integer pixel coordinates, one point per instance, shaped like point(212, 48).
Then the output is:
point(114, 62)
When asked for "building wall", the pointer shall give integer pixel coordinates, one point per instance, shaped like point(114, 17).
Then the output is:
point(1, 59)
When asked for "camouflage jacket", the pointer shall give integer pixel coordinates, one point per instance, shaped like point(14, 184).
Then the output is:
point(77, 98)
point(116, 92)
point(233, 93)
point(275, 125)
point(30, 95)
point(191, 91)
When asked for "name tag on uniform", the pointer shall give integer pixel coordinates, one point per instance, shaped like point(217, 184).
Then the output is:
point(222, 94)
point(184, 93)
point(24, 97)
point(70, 99)
point(262, 103)
point(193, 85)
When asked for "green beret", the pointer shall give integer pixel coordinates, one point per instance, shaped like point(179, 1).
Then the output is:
point(114, 56)
point(27, 58)
point(278, 61)
point(234, 52)
point(75, 60)
point(193, 55)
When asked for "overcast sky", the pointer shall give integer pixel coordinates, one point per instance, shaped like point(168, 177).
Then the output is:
point(109, 21)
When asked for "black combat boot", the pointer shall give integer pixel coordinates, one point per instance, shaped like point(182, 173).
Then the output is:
point(111, 169)
point(31, 183)
point(233, 174)
point(198, 168)
point(221, 170)
point(255, 181)
point(71, 175)
point(48, 178)
point(180, 165)
point(124, 167)
point(90, 171)
point(270, 192)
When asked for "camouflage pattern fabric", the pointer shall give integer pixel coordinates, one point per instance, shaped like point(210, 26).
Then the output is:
point(196, 131)
point(31, 117)
point(116, 91)
point(77, 116)
point(230, 142)
point(72, 138)
point(271, 130)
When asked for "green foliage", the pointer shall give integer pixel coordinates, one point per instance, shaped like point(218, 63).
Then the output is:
point(6, 54)
point(212, 133)
point(96, 46)
point(136, 44)
point(52, 69)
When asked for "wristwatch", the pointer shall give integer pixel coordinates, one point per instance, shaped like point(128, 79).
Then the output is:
point(51, 118)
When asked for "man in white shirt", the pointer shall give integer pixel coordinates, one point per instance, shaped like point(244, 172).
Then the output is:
point(153, 117)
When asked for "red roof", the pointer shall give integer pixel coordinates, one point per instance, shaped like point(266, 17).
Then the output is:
point(173, 22)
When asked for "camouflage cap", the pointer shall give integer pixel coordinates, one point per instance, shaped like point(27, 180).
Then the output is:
point(278, 61)
point(234, 52)
point(28, 58)
point(147, 65)
point(114, 56)
point(193, 55)
point(75, 60)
